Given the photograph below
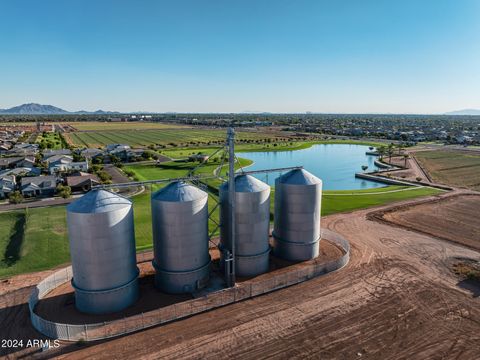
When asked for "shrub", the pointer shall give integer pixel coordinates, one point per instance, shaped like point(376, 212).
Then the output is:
point(64, 191)
point(15, 197)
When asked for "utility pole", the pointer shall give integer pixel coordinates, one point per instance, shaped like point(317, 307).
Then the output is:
point(231, 200)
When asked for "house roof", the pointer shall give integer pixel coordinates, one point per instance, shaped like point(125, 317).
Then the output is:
point(80, 180)
point(10, 160)
point(91, 152)
point(44, 182)
point(49, 153)
point(60, 159)
point(7, 178)
point(21, 171)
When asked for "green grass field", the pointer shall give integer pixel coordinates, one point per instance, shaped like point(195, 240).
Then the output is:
point(50, 140)
point(168, 136)
point(134, 125)
point(37, 239)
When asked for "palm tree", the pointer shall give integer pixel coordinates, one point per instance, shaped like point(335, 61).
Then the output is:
point(400, 147)
point(381, 150)
point(405, 158)
point(390, 152)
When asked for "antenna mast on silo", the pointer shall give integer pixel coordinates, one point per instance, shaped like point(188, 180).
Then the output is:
point(231, 199)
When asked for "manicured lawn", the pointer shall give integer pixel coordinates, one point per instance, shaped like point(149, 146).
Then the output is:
point(332, 204)
point(33, 240)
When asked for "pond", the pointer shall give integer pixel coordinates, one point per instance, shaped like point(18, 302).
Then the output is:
point(335, 164)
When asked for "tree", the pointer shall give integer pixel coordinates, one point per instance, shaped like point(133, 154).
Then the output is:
point(418, 178)
point(405, 158)
point(364, 167)
point(390, 151)
point(104, 176)
point(64, 191)
point(382, 150)
point(400, 148)
point(15, 197)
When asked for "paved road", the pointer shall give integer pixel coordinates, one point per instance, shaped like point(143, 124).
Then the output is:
point(118, 176)
point(38, 203)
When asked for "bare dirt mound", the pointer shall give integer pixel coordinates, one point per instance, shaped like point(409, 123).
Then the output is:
point(454, 219)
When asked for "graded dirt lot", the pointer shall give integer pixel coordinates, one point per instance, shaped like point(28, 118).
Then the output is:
point(397, 299)
point(459, 168)
point(454, 219)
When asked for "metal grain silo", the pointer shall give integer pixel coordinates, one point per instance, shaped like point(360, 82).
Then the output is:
point(102, 247)
point(252, 224)
point(180, 238)
point(296, 234)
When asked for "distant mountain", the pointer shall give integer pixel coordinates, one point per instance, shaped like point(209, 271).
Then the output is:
point(38, 109)
point(464, 112)
point(34, 109)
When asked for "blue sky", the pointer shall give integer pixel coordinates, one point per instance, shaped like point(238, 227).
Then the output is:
point(339, 56)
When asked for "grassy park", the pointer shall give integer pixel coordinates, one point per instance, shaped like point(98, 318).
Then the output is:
point(50, 140)
point(36, 239)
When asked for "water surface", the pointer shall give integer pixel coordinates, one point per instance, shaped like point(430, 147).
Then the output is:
point(335, 164)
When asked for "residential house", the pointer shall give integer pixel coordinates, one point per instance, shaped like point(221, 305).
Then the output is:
point(49, 153)
point(22, 171)
point(4, 149)
point(7, 185)
point(91, 154)
point(82, 183)
point(65, 163)
point(9, 162)
point(118, 147)
point(27, 162)
point(38, 186)
point(23, 149)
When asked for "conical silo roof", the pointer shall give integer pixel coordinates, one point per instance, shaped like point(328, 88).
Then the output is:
point(179, 191)
point(98, 201)
point(247, 183)
point(299, 177)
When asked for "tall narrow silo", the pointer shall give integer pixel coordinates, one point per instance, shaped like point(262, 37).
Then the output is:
point(102, 247)
point(252, 224)
point(180, 238)
point(298, 197)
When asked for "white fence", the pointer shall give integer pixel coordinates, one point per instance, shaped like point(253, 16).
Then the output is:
point(245, 290)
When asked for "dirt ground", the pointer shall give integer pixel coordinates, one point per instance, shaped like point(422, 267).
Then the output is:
point(397, 299)
point(459, 168)
point(454, 219)
point(410, 172)
point(59, 305)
